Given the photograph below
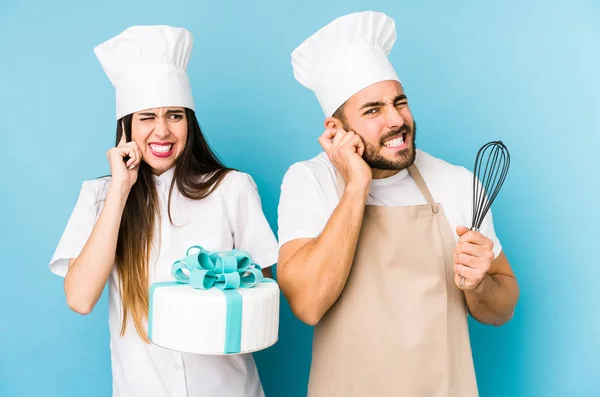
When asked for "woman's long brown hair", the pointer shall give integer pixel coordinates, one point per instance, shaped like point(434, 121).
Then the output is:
point(197, 173)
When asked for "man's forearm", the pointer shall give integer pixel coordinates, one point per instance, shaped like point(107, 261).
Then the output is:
point(315, 275)
point(494, 300)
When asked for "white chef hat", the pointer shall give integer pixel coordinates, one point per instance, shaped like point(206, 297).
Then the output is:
point(346, 56)
point(147, 66)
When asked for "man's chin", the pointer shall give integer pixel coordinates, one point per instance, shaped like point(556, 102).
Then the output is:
point(401, 160)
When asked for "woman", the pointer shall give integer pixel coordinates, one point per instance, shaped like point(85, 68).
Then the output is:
point(166, 192)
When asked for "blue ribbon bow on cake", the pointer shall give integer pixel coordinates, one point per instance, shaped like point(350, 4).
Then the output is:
point(225, 270)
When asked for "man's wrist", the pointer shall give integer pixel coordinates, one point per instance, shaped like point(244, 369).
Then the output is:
point(357, 191)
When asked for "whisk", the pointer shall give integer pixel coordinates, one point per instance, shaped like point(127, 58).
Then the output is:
point(491, 167)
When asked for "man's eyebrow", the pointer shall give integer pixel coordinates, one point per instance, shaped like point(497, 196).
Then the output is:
point(372, 104)
point(379, 103)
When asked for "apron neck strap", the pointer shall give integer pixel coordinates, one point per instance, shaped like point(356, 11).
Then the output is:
point(412, 170)
point(418, 178)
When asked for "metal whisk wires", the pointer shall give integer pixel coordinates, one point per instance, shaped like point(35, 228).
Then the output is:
point(491, 167)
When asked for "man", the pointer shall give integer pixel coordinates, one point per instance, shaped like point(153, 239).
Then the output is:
point(374, 252)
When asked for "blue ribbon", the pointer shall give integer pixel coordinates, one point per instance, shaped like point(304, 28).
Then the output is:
point(226, 271)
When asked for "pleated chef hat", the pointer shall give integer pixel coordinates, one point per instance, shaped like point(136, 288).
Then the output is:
point(346, 56)
point(147, 65)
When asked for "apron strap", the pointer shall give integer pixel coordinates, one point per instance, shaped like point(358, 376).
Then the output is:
point(418, 178)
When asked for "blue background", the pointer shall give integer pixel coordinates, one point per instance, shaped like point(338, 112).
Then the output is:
point(527, 73)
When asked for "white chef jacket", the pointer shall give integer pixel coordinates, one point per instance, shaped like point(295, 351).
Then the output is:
point(309, 196)
point(230, 217)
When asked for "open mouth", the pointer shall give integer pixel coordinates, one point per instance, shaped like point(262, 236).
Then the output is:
point(396, 142)
point(161, 149)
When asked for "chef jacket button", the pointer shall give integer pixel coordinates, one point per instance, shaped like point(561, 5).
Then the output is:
point(177, 366)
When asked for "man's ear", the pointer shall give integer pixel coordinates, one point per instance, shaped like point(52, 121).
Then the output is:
point(332, 122)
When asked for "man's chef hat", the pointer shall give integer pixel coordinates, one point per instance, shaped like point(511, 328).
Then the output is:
point(346, 56)
point(147, 66)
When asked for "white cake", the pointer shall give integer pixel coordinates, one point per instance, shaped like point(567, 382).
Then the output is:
point(195, 320)
point(216, 303)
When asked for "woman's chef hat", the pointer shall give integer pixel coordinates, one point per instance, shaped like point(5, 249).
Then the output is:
point(147, 66)
point(346, 56)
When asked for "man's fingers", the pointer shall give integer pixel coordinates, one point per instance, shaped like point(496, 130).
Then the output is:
point(354, 140)
point(467, 272)
point(474, 250)
point(325, 140)
point(340, 134)
point(478, 265)
point(473, 262)
point(460, 230)
point(360, 146)
point(472, 277)
point(474, 237)
point(464, 259)
point(463, 282)
point(348, 138)
point(329, 133)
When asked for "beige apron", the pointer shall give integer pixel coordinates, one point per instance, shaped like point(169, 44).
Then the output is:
point(399, 328)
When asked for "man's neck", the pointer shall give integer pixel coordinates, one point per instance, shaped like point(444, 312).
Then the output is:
point(381, 174)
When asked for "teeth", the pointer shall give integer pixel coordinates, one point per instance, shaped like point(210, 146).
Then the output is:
point(394, 142)
point(161, 148)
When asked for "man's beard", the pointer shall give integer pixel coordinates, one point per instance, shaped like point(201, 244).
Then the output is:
point(404, 158)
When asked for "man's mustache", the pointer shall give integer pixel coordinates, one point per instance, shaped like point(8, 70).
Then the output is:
point(404, 129)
